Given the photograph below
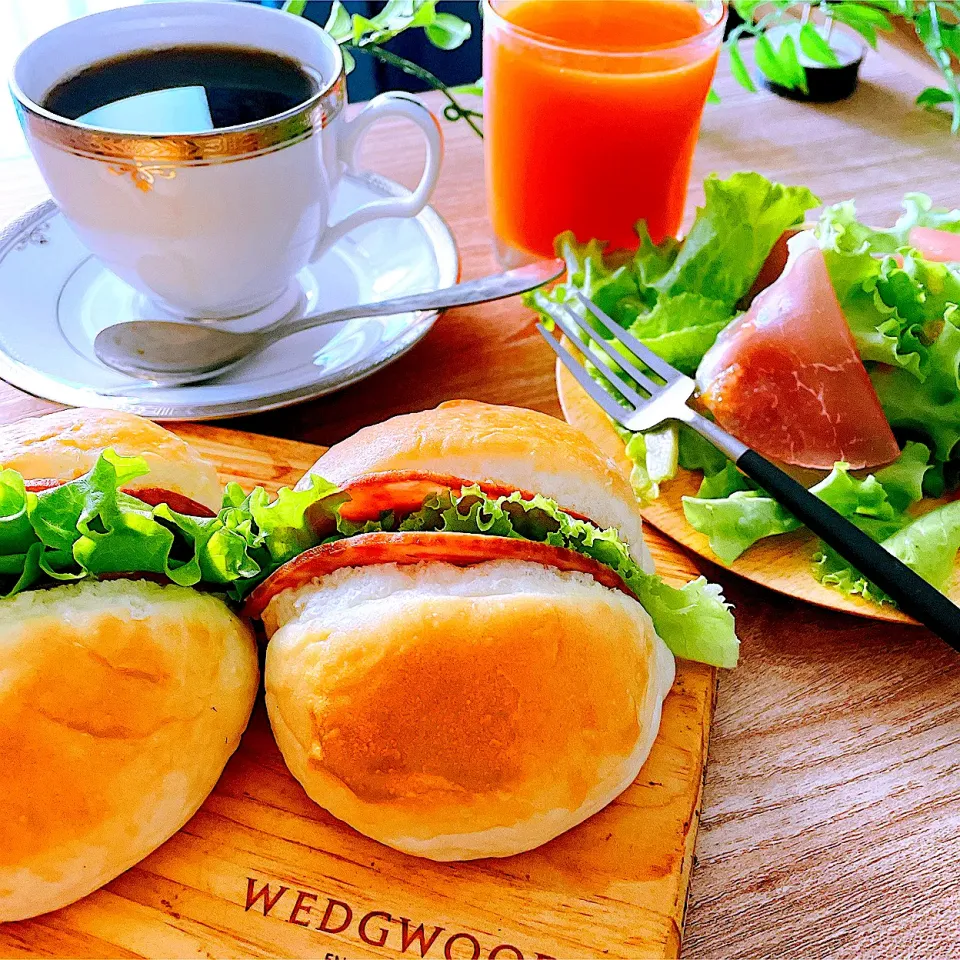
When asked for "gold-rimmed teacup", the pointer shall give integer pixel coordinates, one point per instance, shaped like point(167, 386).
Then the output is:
point(212, 224)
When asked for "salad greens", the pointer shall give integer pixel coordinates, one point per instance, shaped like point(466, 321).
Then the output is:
point(903, 311)
point(90, 528)
point(928, 545)
point(904, 315)
point(734, 513)
point(675, 297)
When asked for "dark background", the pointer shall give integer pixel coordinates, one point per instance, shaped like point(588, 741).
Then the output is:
point(370, 77)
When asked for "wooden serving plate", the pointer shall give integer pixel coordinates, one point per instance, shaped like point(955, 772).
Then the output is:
point(782, 563)
point(261, 871)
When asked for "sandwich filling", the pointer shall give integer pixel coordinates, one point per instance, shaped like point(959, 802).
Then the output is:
point(153, 496)
point(89, 527)
point(404, 549)
point(405, 491)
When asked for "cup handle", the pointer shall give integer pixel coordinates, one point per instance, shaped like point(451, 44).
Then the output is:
point(386, 105)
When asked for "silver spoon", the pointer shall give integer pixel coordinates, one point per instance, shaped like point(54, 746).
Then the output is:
point(172, 353)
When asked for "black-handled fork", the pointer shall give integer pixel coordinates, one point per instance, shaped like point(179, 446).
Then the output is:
point(668, 401)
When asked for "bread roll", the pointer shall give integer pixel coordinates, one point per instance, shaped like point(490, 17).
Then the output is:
point(65, 445)
point(522, 449)
point(120, 703)
point(456, 713)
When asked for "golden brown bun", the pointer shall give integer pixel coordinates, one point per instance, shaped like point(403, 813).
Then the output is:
point(523, 449)
point(65, 445)
point(120, 703)
point(459, 713)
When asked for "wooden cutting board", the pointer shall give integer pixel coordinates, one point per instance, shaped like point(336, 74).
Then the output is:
point(262, 871)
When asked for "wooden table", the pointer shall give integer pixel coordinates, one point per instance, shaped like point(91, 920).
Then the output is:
point(831, 822)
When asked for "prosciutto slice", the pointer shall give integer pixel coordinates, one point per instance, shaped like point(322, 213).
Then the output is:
point(786, 379)
point(939, 245)
point(460, 549)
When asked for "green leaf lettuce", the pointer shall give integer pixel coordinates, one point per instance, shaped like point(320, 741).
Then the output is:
point(928, 545)
point(90, 528)
point(734, 515)
point(676, 297)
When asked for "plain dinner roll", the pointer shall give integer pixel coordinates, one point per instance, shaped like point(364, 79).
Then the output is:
point(65, 445)
point(522, 449)
point(456, 713)
point(120, 703)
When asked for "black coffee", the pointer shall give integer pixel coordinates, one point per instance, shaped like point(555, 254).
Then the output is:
point(185, 89)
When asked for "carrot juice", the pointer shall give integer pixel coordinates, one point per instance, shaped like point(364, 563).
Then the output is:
point(591, 114)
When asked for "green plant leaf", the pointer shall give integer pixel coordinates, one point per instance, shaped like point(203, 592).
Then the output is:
point(362, 26)
point(735, 516)
point(696, 453)
point(447, 32)
point(813, 44)
point(932, 97)
point(791, 63)
point(747, 8)
point(339, 24)
point(469, 89)
point(296, 7)
point(769, 63)
point(681, 328)
point(16, 505)
point(903, 479)
point(425, 13)
point(863, 18)
point(723, 483)
point(919, 211)
point(735, 522)
point(739, 71)
point(863, 27)
point(903, 315)
point(950, 35)
point(713, 96)
point(731, 236)
point(927, 545)
point(864, 12)
point(397, 15)
point(928, 408)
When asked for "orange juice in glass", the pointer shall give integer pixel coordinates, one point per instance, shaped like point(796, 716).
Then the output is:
point(591, 114)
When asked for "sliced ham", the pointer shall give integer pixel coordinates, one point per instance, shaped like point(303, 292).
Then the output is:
point(786, 378)
point(177, 502)
point(153, 496)
point(940, 245)
point(38, 486)
point(404, 491)
point(460, 549)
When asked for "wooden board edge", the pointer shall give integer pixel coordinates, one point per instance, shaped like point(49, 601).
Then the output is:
point(689, 854)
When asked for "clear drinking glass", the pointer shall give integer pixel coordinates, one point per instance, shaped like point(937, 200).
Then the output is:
point(591, 113)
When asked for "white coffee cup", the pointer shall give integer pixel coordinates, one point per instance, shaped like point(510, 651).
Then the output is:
point(214, 224)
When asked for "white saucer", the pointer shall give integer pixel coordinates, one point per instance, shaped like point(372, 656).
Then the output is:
point(55, 297)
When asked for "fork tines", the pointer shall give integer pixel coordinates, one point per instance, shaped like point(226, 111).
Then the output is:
point(601, 397)
point(635, 346)
point(578, 330)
